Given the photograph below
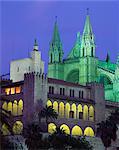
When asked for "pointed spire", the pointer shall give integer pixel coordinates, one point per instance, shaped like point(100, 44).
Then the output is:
point(108, 58)
point(35, 48)
point(87, 27)
point(56, 37)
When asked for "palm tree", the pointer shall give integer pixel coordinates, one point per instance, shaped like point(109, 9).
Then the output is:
point(32, 135)
point(47, 113)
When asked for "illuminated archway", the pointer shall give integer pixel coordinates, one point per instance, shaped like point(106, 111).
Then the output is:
point(80, 111)
point(4, 106)
point(10, 107)
point(49, 103)
point(88, 131)
point(91, 113)
point(67, 110)
point(18, 127)
point(85, 112)
point(73, 108)
point(55, 106)
point(5, 130)
point(20, 107)
point(51, 127)
point(65, 128)
point(61, 109)
point(15, 108)
point(76, 130)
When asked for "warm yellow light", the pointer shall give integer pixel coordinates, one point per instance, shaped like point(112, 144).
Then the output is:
point(18, 127)
point(89, 131)
point(5, 130)
point(15, 108)
point(51, 128)
point(74, 109)
point(61, 109)
point(49, 103)
point(91, 113)
point(55, 106)
point(85, 112)
point(10, 107)
point(18, 89)
point(20, 107)
point(4, 106)
point(13, 90)
point(77, 131)
point(65, 128)
point(67, 110)
point(7, 91)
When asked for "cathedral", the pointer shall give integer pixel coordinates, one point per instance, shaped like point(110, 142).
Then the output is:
point(82, 89)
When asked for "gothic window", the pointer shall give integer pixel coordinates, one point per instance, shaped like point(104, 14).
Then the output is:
point(83, 51)
point(71, 93)
point(51, 58)
point(51, 90)
point(29, 68)
point(62, 91)
point(82, 95)
point(92, 51)
point(79, 94)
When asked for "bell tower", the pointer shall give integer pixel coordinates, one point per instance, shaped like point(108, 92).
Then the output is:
point(88, 61)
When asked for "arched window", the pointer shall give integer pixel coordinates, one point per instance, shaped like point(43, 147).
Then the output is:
point(80, 112)
point(49, 103)
point(5, 130)
point(55, 106)
point(67, 110)
point(51, 57)
point(65, 128)
point(4, 106)
point(89, 131)
point(83, 51)
point(51, 127)
point(76, 130)
point(73, 108)
point(10, 107)
point(18, 127)
point(85, 112)
point(61, 109)
point(92, 51)
point(91, 113)
point(15, 108)
point(20, 107)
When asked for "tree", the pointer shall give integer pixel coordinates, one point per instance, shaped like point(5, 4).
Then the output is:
point(47, 113)
point(107, 129)
point(60, 140)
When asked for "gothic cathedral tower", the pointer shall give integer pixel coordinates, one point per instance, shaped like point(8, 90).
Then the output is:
point(55, 55)
point(88, 61)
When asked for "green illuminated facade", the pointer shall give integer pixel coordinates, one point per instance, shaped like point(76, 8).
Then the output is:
point(81, 65)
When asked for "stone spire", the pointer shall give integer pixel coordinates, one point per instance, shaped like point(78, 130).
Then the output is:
point(55, 52)
point(87, 27)
point(108, 58)
point(35, 47)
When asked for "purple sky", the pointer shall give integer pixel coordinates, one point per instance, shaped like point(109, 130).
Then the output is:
point(25, 20)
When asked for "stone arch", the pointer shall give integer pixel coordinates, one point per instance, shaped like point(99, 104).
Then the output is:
point(80, 112)
point(4, 106)
point(65, 128)
point(51, 127)
point(85, 112)
point(49, 103)
point(5, 130)
point(76, 130)
point(20, 107)
point(61, 109)
point(18, 127)
point(91, 113)
point(73, 108)
point(89, 131)
point(73, 76)
point(15, 108)
point(9, 108)
point(55, 106)
point(67, 110)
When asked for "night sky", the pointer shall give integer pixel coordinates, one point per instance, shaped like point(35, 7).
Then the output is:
point(22, 21)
